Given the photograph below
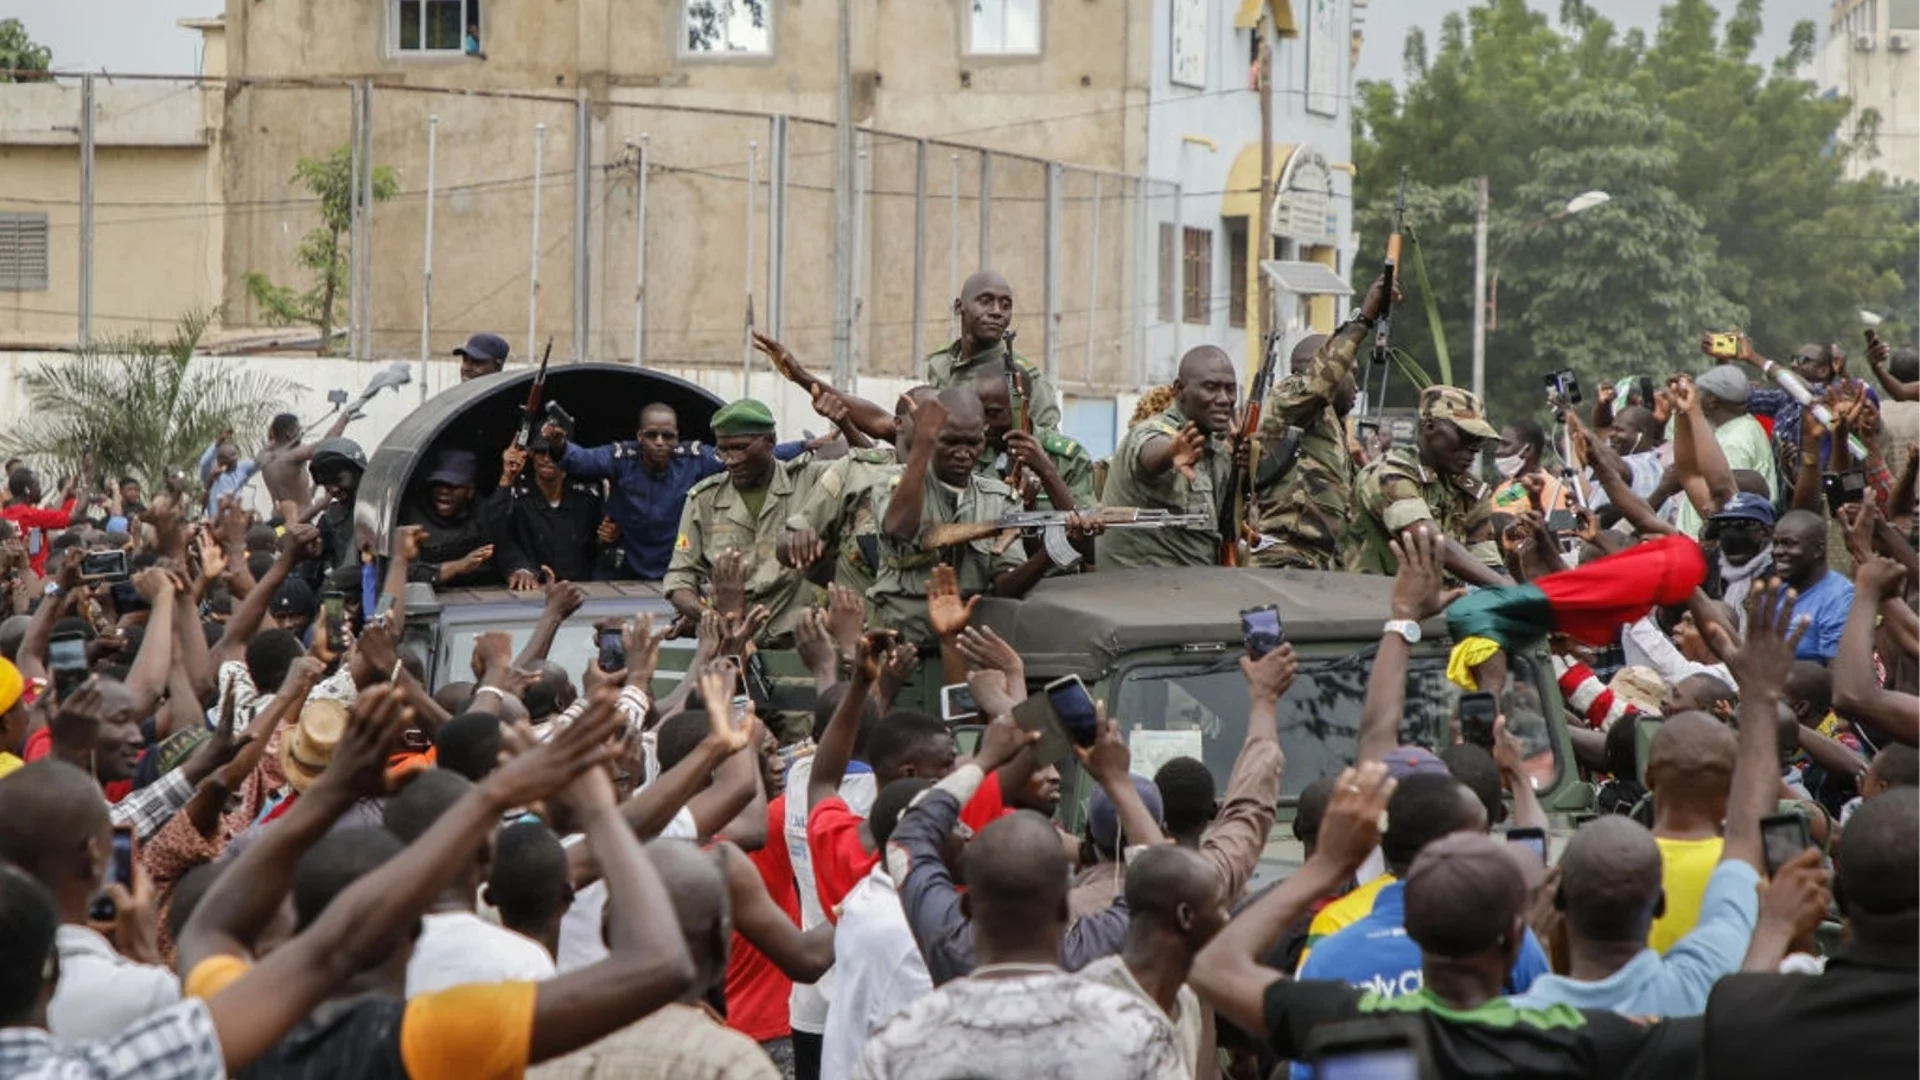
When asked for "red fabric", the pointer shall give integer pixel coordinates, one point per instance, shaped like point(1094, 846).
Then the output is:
point(986, 806)
point(1591, 603)
point(757, 990)
point(840, 860)
point(33, 519)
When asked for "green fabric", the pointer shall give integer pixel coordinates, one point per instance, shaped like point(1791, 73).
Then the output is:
point(743, 417)
point(754, 499)
point(1513, 615)
point(1496, 1012)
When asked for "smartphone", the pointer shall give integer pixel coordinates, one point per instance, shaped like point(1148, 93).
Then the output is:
point(613, 650)
point(742, 707)
point(1260, 628)
point(67, 656)
point(1534, 840)
point(957, 704)
point(1074, 706)
point(336, 397)
point(1036, 714)
point(108, 565)
point(1723, 346)
point(1562, 521)
point(1476, 719)
point(1843, 488)
point(333, 608)
point(1782, 836)
point(119, 872)
point(1384, 1049)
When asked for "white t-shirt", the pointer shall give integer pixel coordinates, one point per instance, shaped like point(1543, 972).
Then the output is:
point(580, 942)
point(459, 947)
point(877, 968)
point(807, 1005)
point(1187, 1026)
point(1047, 1023)
point(101, 992)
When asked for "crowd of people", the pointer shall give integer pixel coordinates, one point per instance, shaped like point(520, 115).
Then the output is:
point(241, 834)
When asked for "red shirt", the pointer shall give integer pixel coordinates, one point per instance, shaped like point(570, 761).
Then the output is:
point(32, 521)
point(841, 859)
point(756, 989)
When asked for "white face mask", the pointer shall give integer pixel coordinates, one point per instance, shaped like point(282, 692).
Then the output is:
point(1509, 464)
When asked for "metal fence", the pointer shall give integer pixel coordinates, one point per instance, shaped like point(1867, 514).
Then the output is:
point(625, 228)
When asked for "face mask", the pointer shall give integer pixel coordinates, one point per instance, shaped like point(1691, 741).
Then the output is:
point(1509, 464)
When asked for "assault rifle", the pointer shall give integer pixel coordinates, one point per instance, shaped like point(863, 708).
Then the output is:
point(530, 413)
point(1383, 328)
point(1239, 492)
point(1051, 527)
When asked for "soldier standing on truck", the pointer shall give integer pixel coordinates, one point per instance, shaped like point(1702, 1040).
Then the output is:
point(1432, 483)
point(985, 308)
point(839, 516)
point(1059, 467)
point(1176, 460)
point(743, 509)
point(939, 486)
point(1303, 485)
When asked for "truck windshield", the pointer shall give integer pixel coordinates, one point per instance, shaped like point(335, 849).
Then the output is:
point(1200, 711)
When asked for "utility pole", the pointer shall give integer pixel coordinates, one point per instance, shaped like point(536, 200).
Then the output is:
point(1480, 289)
point(843, 206)
point(1259, 233)
point(86, 210)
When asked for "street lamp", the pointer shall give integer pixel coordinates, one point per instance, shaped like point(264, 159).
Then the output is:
point(1486, 292)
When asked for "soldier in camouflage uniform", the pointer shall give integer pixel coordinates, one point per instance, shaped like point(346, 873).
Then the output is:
point(1302, 506)
point(940, 486)
point(1061, 466)
point(985, 308)
point(1178, 460)
point(743, 508)
point(1432, 486)
point(839, 516)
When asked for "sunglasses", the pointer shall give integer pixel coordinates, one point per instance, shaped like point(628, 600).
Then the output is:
point(660, 436)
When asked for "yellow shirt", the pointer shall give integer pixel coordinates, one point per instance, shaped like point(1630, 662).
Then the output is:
point(1343, 913)
point(9, 762)
point(481, 1031)
point(1685, 866)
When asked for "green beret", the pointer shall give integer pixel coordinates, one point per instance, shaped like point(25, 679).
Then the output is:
point(743, 417)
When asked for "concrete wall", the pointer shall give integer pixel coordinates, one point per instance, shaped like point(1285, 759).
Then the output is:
point(1879, 77)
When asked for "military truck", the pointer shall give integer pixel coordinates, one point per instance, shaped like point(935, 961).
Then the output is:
point(1159, 648)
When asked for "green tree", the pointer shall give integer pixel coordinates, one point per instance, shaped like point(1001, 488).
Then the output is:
point(1730, 200)
point(141, 405)
point(325, 251)
point(19, 55)
point(707, 22)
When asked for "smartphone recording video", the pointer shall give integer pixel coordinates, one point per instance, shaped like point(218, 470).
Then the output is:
point(1074, 706)
point(1261, 629)
point(1476, 719)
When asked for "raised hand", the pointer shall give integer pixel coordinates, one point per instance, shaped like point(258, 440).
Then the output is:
point(512, 460)
point(1798, 896)
point(643, 650)
point(1879, 576)
point(1108, 759)
point(1188, 448)
point(946, 613)
point(523, 581)
point(815, 646)
point(1686, 397)
point(1001, 742)
point(801, 548)
point(1417, 586)
point(1350, 828)
point(563, 599)
point(468, 563)
point(1269, 677)
point(374, 725)
point(846, 618)
point(728, 582)
point(875, 645)
point(492, 651)
point(547, 767)
point(985, 649)
point(902, 659)
point(741, 630)
point(1761, 661)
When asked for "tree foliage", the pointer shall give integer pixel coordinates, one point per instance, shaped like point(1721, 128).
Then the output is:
point(1730, 203)
point(325, 252)
point(19, 53)
point(140, 404)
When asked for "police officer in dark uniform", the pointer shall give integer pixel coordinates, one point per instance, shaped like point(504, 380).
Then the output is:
point(546, 529)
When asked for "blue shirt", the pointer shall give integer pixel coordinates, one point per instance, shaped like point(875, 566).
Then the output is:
point(1678, 983)
point(644, 503)
point(227, 483)
point(1824, 605)
point(1376, 954)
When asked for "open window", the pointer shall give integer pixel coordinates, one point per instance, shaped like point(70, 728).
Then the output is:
point(437, 28)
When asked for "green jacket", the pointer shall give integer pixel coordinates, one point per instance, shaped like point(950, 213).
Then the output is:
point(1305, 512)
point(1128, 486)
point(944, 369)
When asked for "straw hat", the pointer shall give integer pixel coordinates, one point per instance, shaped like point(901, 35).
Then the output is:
point(1640, 687)
point(308, 747)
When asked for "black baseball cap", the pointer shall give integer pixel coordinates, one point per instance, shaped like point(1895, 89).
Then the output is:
point(484, 347)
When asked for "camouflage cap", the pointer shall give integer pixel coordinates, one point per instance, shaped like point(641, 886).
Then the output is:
point(1456, 405)
point(743, 417)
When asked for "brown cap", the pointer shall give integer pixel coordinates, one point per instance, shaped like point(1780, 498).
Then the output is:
point(1459, 406)
point(306, 749)
point(1462, 894)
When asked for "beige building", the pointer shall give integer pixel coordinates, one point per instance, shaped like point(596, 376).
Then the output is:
point(1871, 56)
point(1031, 127)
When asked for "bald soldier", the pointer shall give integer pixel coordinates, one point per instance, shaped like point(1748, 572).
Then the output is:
point(985, 308)
point(1177, 460)
point(1303, 487)
point(744, 508)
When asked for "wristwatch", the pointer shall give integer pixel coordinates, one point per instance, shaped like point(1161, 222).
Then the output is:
point(1360, 316)
point(1406, 628)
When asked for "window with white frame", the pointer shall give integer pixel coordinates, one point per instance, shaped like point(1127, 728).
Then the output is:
point(1003, 27)
point(23, 252)
point(447, 27)
point(726, 27)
